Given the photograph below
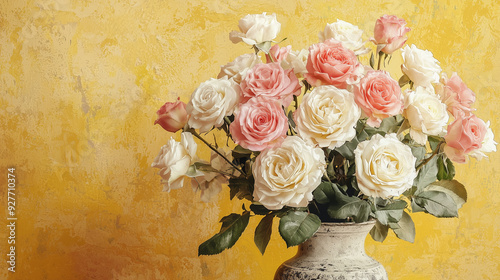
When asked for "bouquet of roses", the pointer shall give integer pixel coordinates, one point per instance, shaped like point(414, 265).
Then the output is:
point(320, 137)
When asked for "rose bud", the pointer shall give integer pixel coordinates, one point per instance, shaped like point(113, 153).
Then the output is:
point(172, 116)
point(390, 31)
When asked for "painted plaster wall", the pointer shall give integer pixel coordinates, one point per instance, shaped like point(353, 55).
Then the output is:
point(80, 83)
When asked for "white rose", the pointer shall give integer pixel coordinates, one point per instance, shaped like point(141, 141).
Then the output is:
point(211, 102)
point(256, 29)
point(287, 175)
point(385, 167)
point(174, 160)
point(420, 66)
point(348, 34)
point(487, 146)
point(426, 114)
point(296, 60)
point(327, 117)
point(238, 68)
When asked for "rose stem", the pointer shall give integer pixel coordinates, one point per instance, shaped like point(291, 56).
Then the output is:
point(435, 152)
point(215, 150)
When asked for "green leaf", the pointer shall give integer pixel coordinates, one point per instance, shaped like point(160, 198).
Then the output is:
point(372, 61)
point(379, 232)
point(263, 232)
point(403, 80)
point(405, 228)
point(392, 124)
point(446, 170)
point(452, 188)
point(391, 213)
point(418, 152)
point(298, 226)
point(427, 174)
point(241, 188)
point(347, 150)
point(240, 152)
point(434, 142)
point(437, 203)
point(350, 206)
point(324, 193)
point(416, 208)
point(231, 230)
point(264, 46)
point(259, 209)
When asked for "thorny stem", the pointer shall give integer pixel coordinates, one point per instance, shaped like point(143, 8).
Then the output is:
point(215, 150)
point(434, 153)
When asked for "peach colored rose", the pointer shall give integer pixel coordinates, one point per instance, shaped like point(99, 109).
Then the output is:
point(278, 54)
point(456, 95)
point(259, 124)
point(465, 135)
point(390, 33)
point(172, 116)
point(379, 96)
point(270, 81)
point(330, 63)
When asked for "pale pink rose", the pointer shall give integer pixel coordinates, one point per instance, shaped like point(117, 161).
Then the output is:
point(456, 95)
point(172, 116)
point(270, 81)
point(278, 54)
point(390, 31)
point(379, 96)
point(260, 124)
point(330, 63)
point(464, 135)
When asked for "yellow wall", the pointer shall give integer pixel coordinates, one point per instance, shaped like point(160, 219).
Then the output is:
point(81, 81)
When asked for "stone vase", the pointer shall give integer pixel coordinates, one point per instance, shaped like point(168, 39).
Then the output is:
point(336, 251)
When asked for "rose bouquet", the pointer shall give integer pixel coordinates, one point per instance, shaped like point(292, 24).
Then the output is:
point(314, 135)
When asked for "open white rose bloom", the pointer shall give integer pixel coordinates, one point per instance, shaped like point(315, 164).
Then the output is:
point(314, 135)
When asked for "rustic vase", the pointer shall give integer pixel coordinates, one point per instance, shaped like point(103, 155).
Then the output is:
point(336, 251)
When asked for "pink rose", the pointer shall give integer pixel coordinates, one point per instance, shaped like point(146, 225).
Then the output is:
point(379, 96)
point(465, 135)
point(260, 123)
point(172, 116)
point(270, 81)
point(278, 54)
point(456, 95)
point(329, 63)
point(390, 31)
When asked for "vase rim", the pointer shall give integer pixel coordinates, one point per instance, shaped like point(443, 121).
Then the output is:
point(346, 224)
point(345, 228)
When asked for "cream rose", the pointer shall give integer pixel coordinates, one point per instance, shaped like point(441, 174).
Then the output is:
point(211, 102)
point(426, 114)
point(174, 160)
point(385, 167)
point(287, 175)
point(255, 29)
point(348, 34)
point(420, 66)
point(327, 117)
point(238, 68)
point(297, 61)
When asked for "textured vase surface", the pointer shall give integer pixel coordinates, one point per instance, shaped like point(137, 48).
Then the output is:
point(336, 251)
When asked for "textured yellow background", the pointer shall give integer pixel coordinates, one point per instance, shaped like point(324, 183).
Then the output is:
point(80, 83)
